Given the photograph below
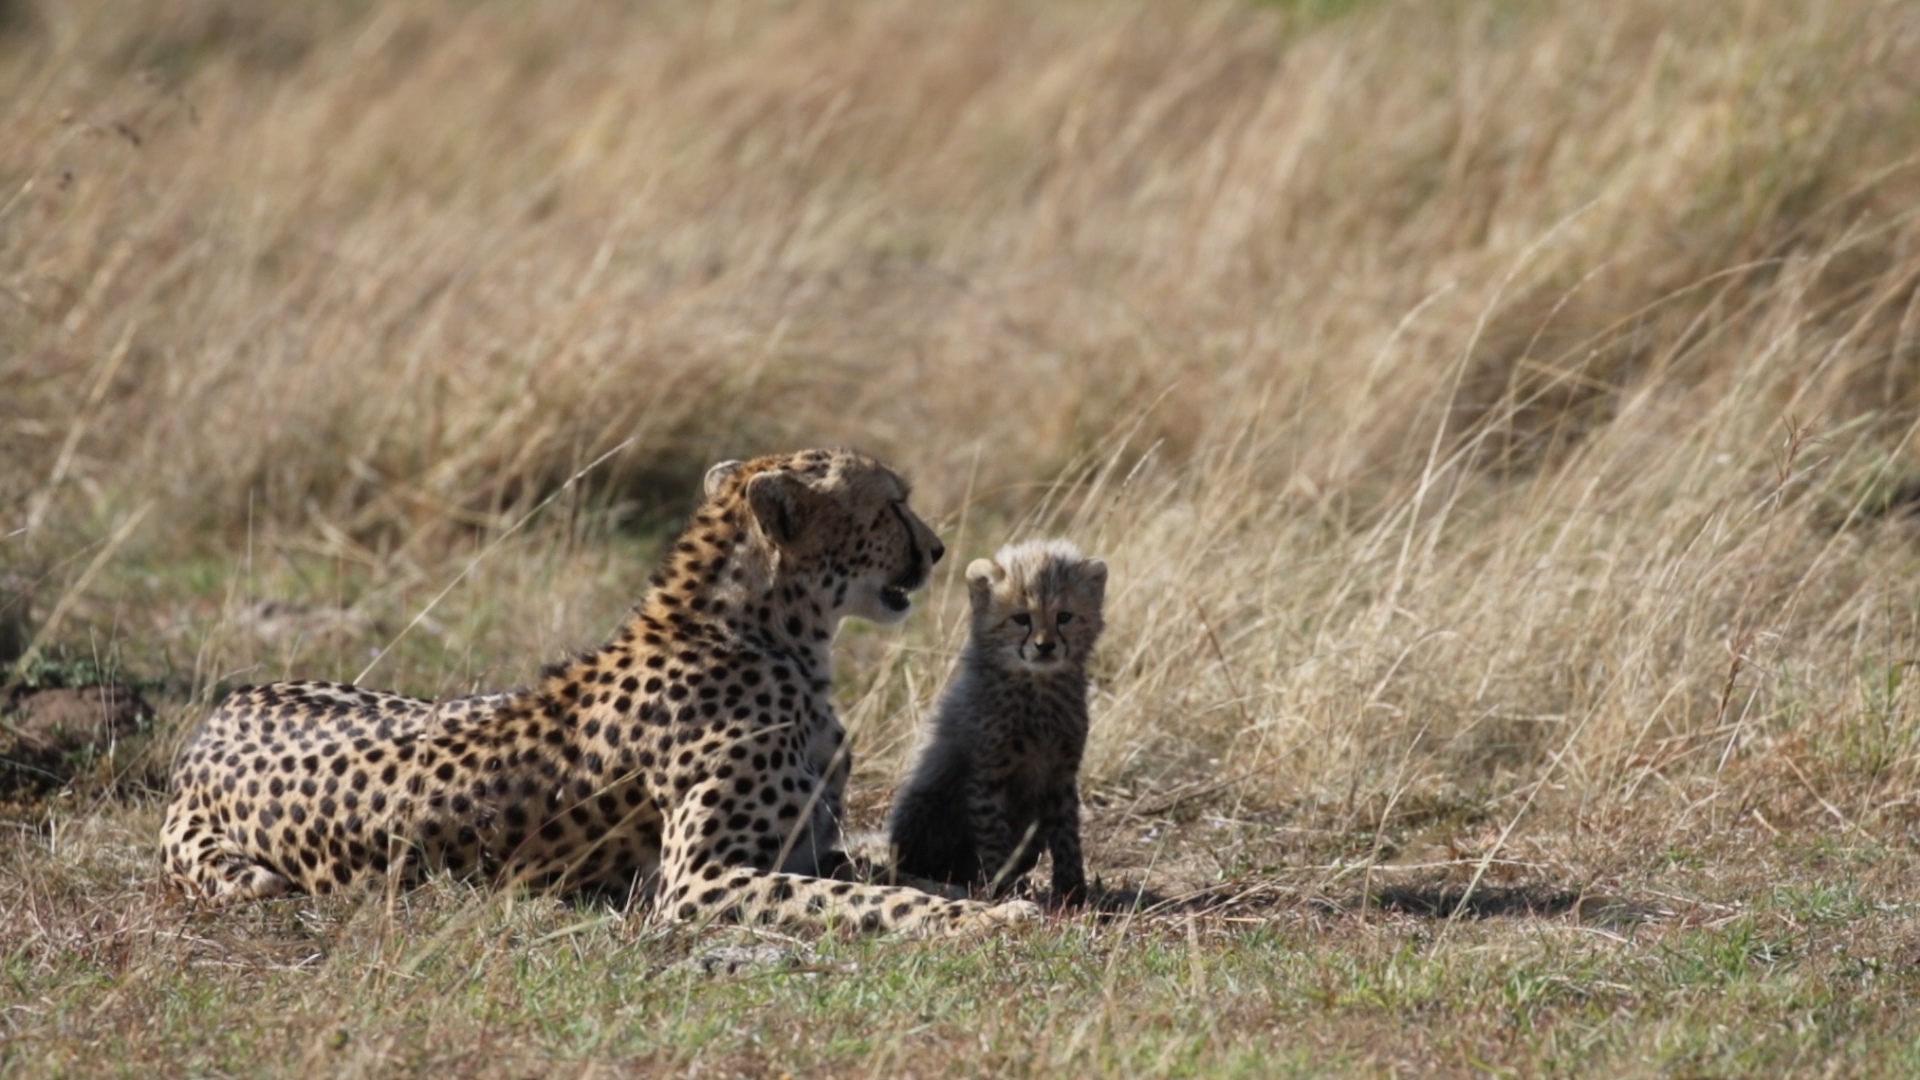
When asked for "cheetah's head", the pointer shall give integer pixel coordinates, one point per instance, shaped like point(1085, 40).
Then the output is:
point(837, 522)
point(1037, 606)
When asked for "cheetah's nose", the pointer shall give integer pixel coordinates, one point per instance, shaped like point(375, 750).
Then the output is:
point(939, 549)
point(1044, 648)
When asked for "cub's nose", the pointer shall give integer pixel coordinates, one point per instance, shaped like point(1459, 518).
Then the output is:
point(1044, 648)
point(939, 549)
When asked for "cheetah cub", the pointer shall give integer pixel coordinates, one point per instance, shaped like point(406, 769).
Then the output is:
point(996, 781)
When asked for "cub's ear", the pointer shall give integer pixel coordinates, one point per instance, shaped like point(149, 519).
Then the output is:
point(982, 576)
point(780, 503)
point(1093, 573)
point(718, 475)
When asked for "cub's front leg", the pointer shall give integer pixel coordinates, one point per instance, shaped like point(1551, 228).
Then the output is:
point(988, 819)
point(1061, 828)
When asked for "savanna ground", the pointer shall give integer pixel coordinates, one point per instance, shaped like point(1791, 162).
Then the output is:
point(1498, 415)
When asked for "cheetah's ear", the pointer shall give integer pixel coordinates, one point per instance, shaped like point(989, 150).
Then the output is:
point(718, 475)
point(1093, 573)
point(780, 502)
point(982, 576)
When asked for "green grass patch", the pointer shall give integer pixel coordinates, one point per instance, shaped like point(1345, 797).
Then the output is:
point(451, 979)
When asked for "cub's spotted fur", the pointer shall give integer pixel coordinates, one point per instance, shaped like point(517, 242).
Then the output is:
point(698, 750)
point(997, 780)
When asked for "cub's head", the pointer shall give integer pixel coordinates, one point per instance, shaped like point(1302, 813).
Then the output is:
point(1037, 605)
point(835, 523)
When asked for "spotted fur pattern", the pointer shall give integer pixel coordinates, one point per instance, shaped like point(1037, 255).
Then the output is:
point(998, 780)
point(697, 752)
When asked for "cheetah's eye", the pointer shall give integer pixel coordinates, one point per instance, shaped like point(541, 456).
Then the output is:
point(1023, 619)
point(1064, 618)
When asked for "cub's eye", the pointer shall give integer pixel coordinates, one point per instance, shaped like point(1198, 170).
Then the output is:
point(1023, 619)
point(1064, 618)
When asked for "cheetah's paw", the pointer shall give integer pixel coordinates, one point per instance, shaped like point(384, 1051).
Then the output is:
point(1011, 913)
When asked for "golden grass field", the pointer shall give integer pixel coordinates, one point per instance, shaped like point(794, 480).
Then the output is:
point(1498, 415)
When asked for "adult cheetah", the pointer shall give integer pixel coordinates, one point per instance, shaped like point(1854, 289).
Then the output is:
point(698, 751)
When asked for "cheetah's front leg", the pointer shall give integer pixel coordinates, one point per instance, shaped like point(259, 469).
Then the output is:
point(711, 872)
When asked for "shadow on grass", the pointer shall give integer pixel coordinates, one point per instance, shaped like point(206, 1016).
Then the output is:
point(1429, 901)
point(1443, 902)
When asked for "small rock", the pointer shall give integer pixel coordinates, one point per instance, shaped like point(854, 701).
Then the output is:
point(734, 959)
point(54, 722)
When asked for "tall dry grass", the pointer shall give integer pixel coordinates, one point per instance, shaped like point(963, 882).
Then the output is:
point(1486, 399)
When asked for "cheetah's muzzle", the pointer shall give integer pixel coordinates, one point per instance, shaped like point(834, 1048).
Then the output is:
point(896, 594)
